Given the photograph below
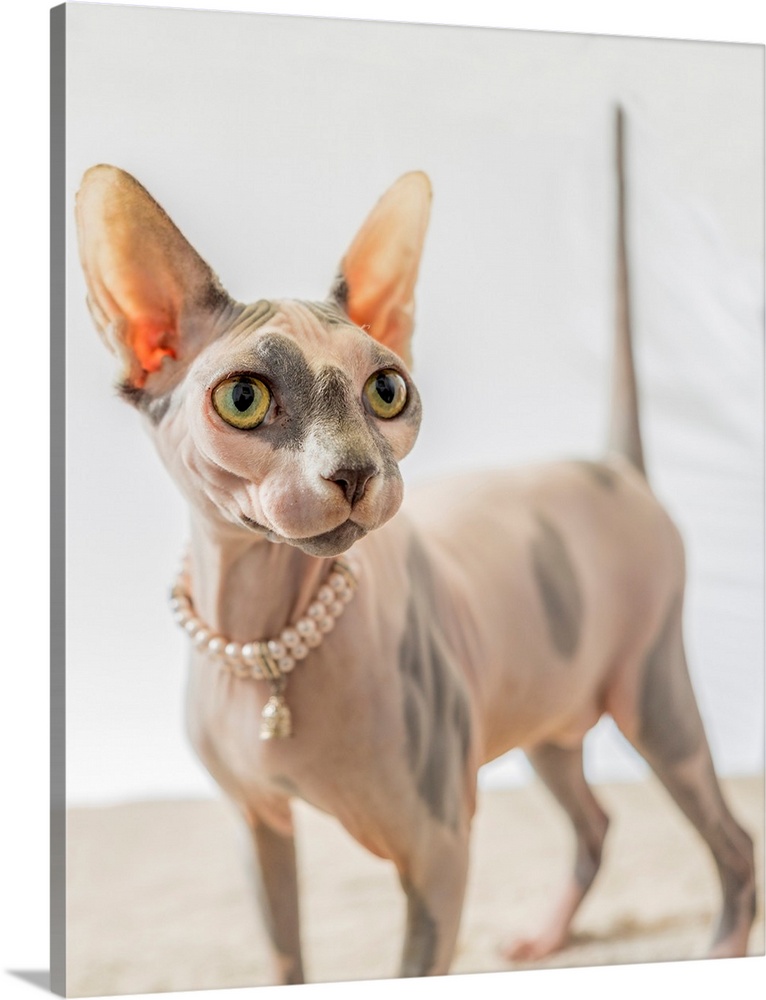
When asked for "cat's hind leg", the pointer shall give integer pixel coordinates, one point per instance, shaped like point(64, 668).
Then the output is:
point(562, 771)
point(666, 728)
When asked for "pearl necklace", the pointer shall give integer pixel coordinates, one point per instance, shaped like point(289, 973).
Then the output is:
point(270, 659)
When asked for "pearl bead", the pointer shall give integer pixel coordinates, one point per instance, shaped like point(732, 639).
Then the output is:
point(313, 640)
point(345, 595)
point(286, 664)
point(250, 652)
point(336, 581)
point(335, 609)
point(300, 651)
point(233, 650)
point(326, 624)
point(317, 610)
point(289, 637)
point(216, 645)
point(306, 627)
point(192, 625)
point(201, 637)
point(276, 648)
point(325, 594)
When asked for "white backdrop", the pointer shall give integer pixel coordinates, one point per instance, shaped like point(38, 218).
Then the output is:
point(267, 140)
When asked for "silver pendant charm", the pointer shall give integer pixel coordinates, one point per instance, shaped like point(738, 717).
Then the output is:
point(276, 722)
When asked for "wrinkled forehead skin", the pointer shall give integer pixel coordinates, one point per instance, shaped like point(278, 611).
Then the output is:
point(314, 331)
point(315, 362)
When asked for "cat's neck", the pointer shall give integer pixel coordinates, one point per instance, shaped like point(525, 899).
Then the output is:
point(247, 587)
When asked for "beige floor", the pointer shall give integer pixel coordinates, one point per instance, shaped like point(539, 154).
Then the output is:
point(158, 899)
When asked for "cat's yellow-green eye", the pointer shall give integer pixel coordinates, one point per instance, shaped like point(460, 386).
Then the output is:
point(242, 401)
point(386, 393)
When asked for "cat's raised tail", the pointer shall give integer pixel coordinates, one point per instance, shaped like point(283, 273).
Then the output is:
point(624, 427)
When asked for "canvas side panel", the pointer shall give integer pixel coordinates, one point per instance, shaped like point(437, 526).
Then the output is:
point(57, 474)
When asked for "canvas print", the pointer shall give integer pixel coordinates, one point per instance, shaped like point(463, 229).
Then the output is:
point(414, 609)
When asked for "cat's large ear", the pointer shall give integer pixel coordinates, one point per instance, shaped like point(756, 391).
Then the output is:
point(151, 295)
point(376, 284)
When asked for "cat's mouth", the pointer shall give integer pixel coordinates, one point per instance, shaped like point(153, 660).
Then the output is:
point(328, 543)
point(254, 525)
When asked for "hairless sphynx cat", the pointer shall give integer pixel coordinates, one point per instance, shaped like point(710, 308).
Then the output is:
point(511, 609)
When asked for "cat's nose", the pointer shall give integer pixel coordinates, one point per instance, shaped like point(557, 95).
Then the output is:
point(352, 482)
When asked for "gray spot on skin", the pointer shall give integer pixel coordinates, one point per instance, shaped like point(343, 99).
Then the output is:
point(436, 711)
point(671, 729)
point(559, 589)
point(601, 474)
point(289, 375)
point(339, 292)
point(361, 444)
point(286, 784)
point(332, 394)
point(388, 461)
point(157, 409)
point(421, 936)
point(154, 408)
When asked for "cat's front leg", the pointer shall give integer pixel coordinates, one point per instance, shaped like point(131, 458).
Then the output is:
point(276, 887)
point(434, 884)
